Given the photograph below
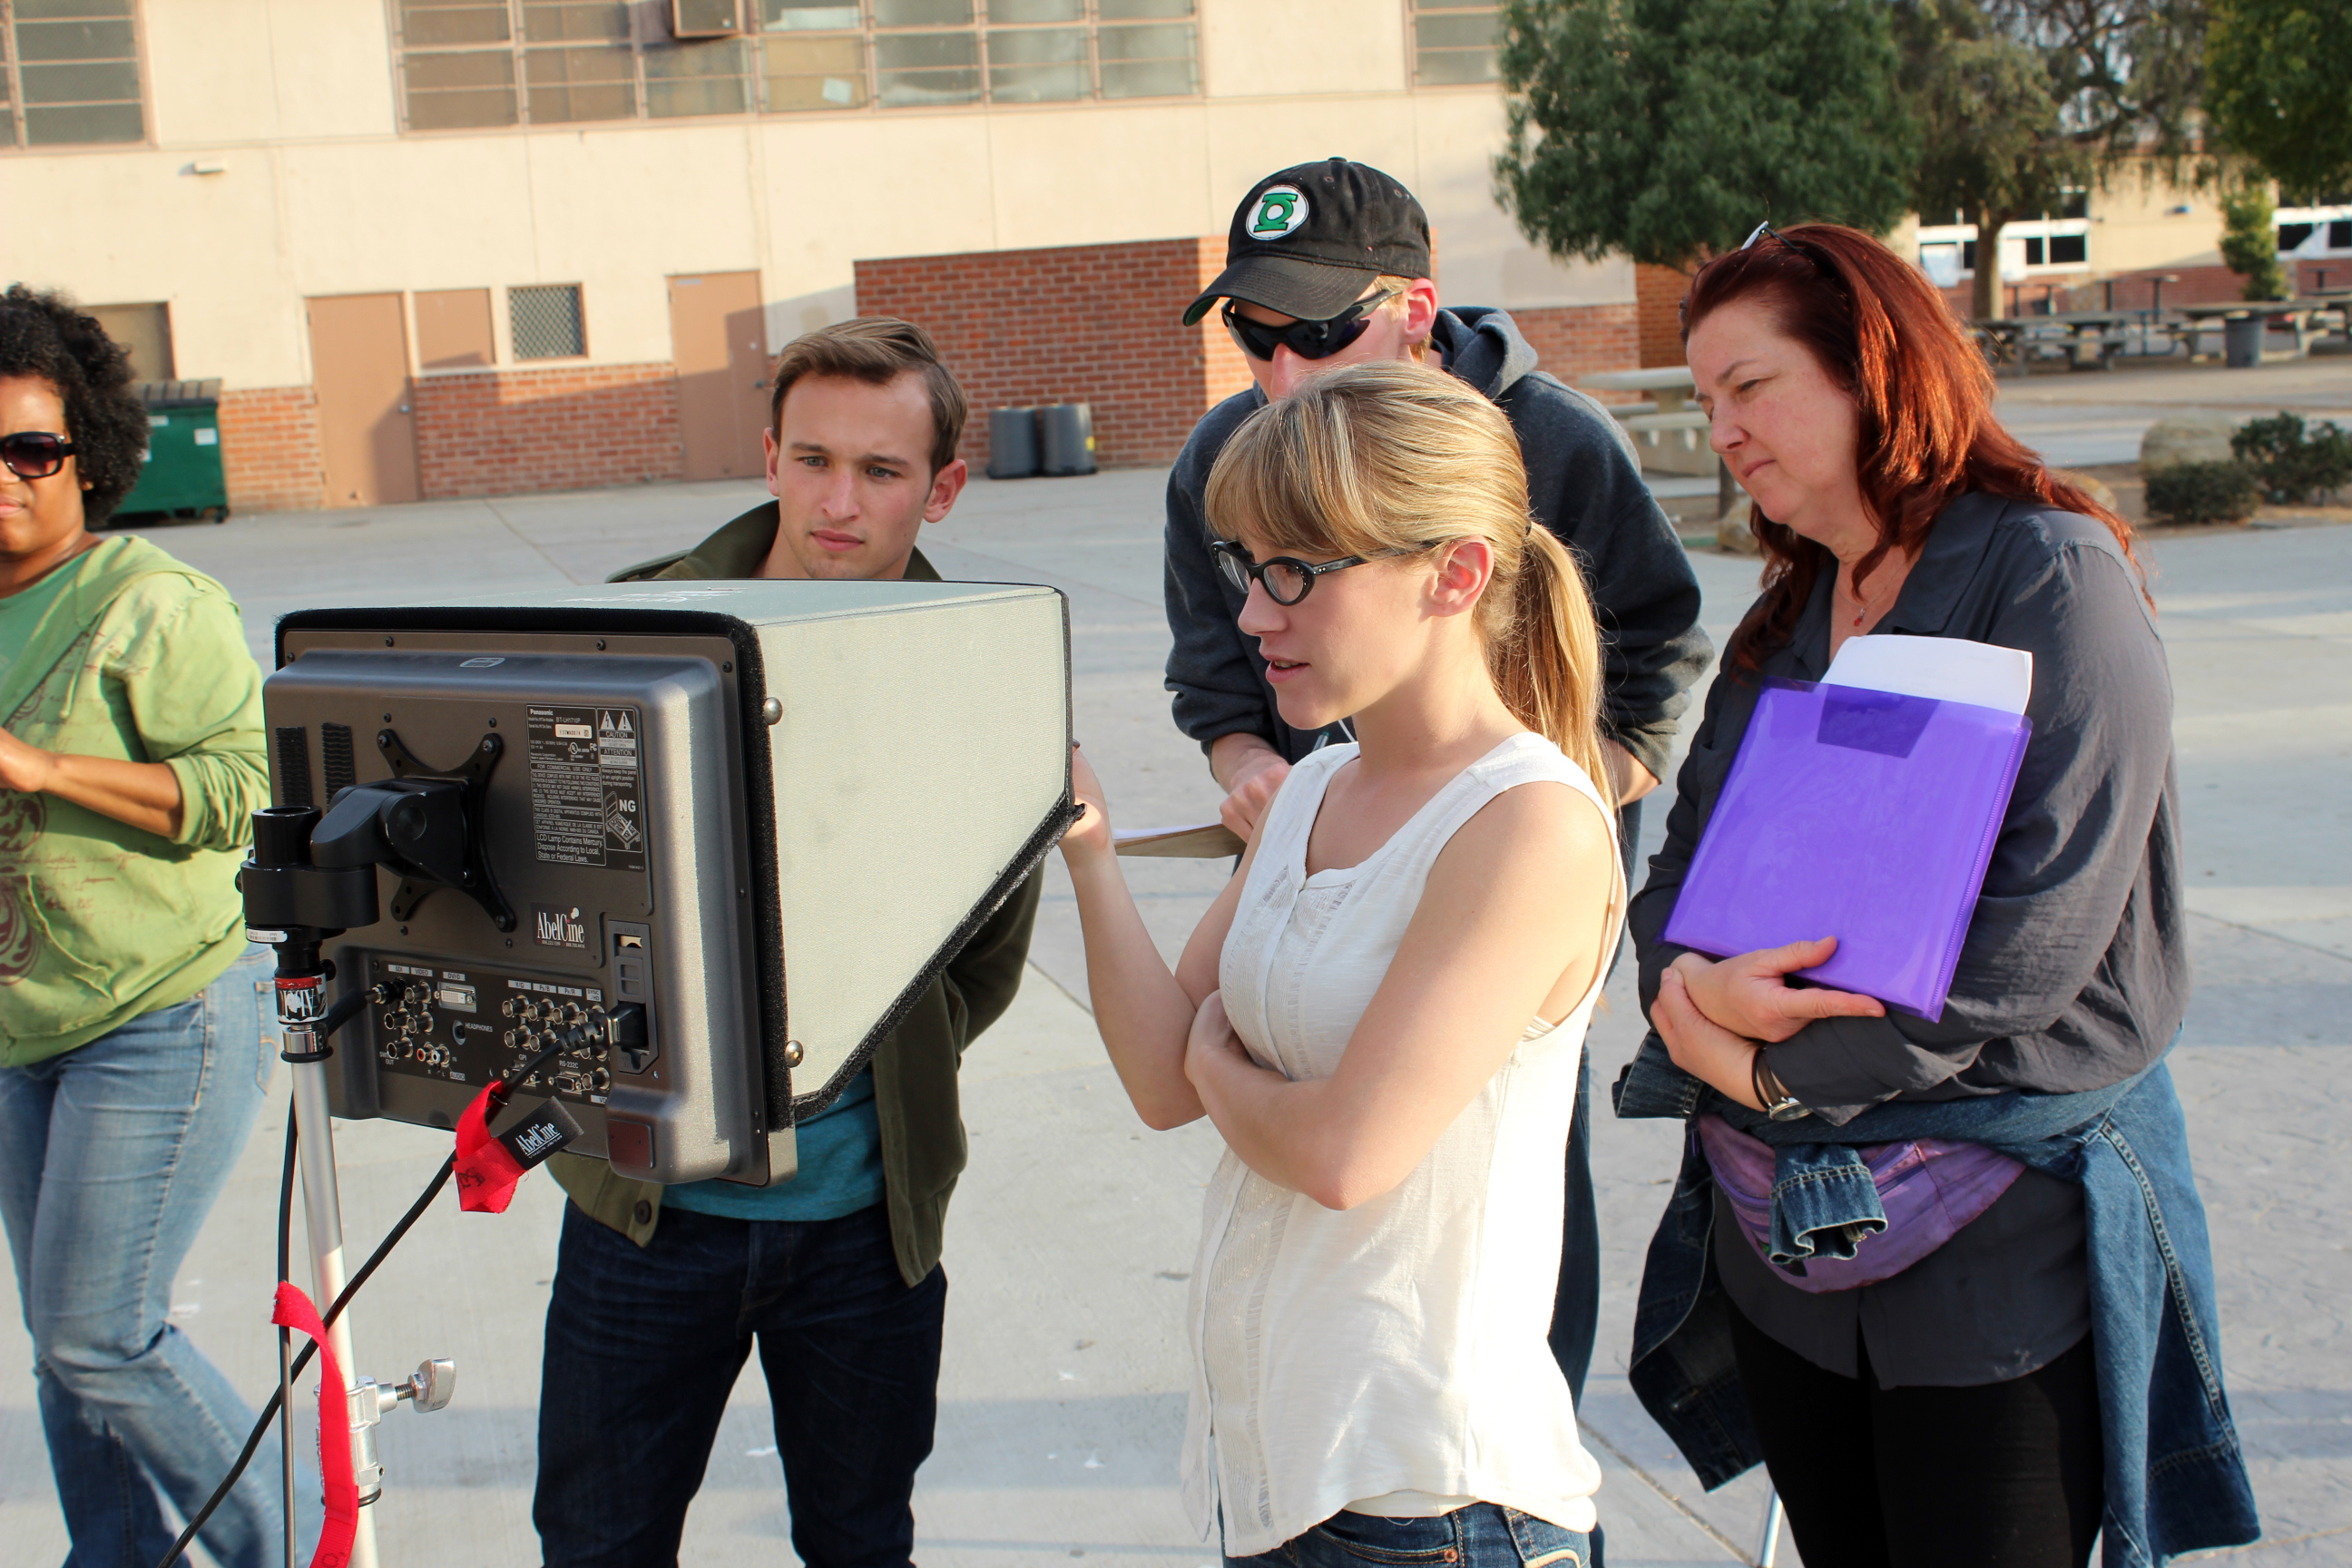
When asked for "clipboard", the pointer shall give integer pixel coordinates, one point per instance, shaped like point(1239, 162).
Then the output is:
point(1205, 841)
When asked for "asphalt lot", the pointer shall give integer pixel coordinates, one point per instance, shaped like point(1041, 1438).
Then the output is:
point(1062, 1397)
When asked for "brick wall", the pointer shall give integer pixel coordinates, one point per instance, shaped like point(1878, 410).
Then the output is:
point(1079, 323)
point(1659, 290)
point(1573, 340)
point(270, 449)
point(502, 432)
point(2333, 273)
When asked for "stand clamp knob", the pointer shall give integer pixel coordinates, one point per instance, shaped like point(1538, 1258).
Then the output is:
point(429, 1386)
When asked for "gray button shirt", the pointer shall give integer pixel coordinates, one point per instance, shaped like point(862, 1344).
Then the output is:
point(2075, 973)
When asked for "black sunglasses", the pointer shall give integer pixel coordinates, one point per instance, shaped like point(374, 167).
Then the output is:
point(1802, 248)
point(34, 454)
point(1286, 578)
point(1308, 340)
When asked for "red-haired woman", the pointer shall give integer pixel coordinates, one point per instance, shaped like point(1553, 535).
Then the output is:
point(1991, 1377)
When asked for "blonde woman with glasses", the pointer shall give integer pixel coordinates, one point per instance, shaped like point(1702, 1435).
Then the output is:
point(1383, 1014)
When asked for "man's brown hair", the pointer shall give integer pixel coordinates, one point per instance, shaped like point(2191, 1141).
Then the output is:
point(877, 350)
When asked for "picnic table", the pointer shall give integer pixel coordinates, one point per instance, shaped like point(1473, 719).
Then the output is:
point(2087, 339)
point(2336, 303)
point(1667, 431)
point(1670, 433)
point(2297, 313)
point(1670, 386)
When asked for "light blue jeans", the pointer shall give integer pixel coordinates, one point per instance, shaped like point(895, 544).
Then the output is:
point(111, 1156)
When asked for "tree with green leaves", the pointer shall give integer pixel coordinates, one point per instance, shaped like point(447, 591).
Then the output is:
point(2020, 101)
point(2279, 92)
point(1993, 147)
point(2250, 241)
point(1667, 130)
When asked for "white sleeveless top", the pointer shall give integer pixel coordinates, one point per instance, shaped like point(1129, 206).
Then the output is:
point(1396, 1347)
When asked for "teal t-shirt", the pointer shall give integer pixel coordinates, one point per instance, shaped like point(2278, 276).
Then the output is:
point(840, 1150)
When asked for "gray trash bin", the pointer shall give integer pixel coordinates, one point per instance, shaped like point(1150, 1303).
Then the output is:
point(2242, 341)
point(1067, 434)
point(1013, 444)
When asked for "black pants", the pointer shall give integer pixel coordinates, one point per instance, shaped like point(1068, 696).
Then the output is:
point(2003, 1475)
point(1576, 1303)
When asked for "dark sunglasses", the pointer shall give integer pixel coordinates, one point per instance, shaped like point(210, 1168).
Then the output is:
point(1308, 340)
point(1802, 248)
point(34, 454)
point(1286, 578)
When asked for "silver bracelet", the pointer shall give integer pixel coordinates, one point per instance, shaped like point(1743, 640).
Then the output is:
point(1778, 1102)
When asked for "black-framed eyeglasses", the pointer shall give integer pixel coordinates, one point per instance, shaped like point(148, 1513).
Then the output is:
point(1308, 340)
point(34, 454)
point(1802, 247)
point(1286, 578)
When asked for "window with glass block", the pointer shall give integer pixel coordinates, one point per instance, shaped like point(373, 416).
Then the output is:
point(469, 64)
point(1453, 42)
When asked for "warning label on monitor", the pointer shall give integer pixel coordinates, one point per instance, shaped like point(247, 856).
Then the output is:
point(587, 804)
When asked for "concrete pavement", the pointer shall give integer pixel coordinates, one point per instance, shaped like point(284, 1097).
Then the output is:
point(1062, 1397)
point(2079, 418)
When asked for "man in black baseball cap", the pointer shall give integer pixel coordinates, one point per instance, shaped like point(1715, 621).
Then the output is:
point(1304, 239)
point(1328, 264)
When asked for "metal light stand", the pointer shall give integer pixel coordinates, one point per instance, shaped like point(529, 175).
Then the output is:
point(1768, 1545)
point(294, 907)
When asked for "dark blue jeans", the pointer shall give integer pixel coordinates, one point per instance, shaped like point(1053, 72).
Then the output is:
point(644, 1345)
point(1484, 1535)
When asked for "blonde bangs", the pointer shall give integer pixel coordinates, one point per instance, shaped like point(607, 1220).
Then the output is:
point(1293, 487)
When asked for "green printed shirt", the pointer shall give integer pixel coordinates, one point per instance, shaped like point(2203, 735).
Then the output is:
point(123, 652)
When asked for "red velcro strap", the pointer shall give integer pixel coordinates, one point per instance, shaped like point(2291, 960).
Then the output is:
point(486, 1174)
point(294, 1311)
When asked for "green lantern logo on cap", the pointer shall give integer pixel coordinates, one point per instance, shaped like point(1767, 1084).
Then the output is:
point(1280, 210)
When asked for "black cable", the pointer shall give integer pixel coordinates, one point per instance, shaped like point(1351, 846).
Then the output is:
point(501, 1088)
point(284, 1335)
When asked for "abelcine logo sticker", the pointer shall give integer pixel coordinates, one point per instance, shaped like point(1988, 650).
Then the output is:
point(533, 1141)
point(555, 927)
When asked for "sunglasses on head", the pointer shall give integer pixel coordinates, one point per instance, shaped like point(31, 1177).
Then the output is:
point(34, 454)
point(1286, 578)
point(1308, 340)
point(1802, 248)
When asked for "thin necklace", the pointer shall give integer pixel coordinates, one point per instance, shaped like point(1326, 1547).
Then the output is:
point(1862, 606)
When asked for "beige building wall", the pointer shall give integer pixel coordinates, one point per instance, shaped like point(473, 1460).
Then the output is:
point(2141, 222)
point(277, 173)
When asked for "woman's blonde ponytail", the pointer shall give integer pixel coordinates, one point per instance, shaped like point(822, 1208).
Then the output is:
point(1548, 673)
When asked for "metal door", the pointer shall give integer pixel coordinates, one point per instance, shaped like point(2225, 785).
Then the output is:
point(719, 336)
point(358, 370)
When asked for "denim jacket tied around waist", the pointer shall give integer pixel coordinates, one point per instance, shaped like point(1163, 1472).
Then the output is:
point(2175, 1476)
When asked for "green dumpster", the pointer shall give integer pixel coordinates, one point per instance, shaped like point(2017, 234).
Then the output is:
point(182, 474)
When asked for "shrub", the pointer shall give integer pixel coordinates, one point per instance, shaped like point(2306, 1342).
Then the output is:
point(2294, 463)
point(2203, 493)
point(2250, 242)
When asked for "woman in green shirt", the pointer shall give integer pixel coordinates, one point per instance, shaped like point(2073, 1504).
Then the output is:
point(132, 1057)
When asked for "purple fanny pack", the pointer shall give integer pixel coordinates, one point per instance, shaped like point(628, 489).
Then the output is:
point(1930, 1189)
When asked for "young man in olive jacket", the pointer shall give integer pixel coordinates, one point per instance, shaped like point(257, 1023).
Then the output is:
point(659, 1292)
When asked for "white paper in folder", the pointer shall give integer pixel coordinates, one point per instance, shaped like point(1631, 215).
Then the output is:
point(1949, 670)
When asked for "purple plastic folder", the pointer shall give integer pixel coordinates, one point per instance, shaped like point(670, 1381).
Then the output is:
point(1860, 815)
